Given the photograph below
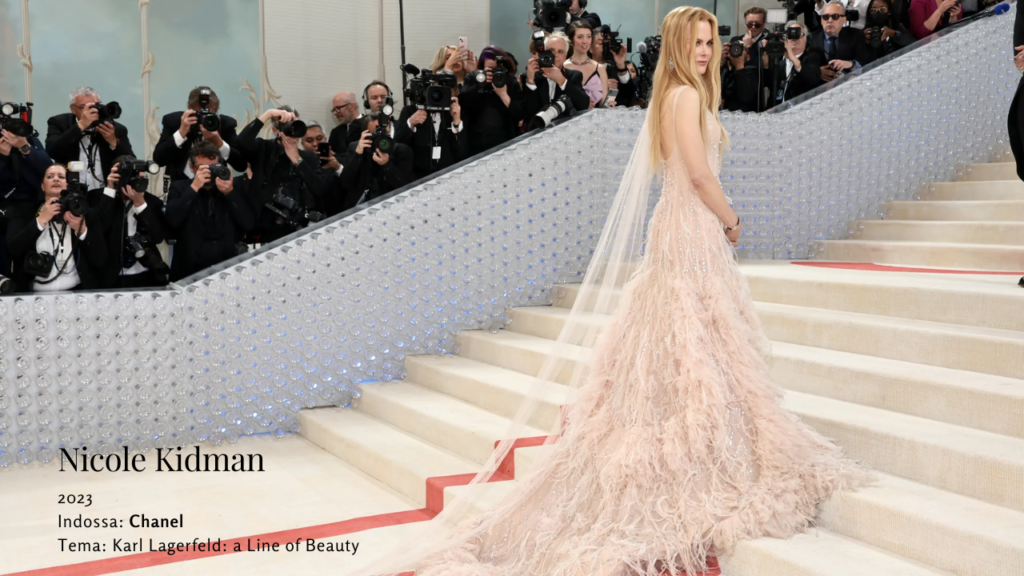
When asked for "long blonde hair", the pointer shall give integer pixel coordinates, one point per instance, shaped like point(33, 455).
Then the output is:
point(678, 39)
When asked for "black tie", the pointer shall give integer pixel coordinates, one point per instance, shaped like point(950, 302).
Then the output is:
point(830, 48)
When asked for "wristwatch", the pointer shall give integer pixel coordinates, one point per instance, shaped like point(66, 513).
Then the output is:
point(25, 149)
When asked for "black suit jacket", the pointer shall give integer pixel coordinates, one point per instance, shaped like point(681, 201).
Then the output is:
point(454, 147)
point(807, 79)
point(22, 233)
point(537, 100)
point(175, 159)
point(264, 155)
point(340, 137)
point(363, 179)
point(850, 45)
point(112, 213)
point(63, 137)
point(208, 224)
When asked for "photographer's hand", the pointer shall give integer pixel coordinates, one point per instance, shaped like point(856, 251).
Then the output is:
point(532, 67)
point(1018, 60)
point(839, 65)
point(77, 223)
point(137, 198)
point(89, 115)
point(48, 212)
point(454, 62)
point(503, 94)
point(620, 57)
point(281, 116)
point(828, 74)
point(469, 64)
point(365, 141)
point(201, 179)
point(225, 186)
point(418, 118)
point(5, 148)
point(381, 158)
point(16, 142)
point(113, 178)
point(212, 137)
point(188, 119)
point(456, 111)
point(554, 74)
point(887, 33)
point(107, 131)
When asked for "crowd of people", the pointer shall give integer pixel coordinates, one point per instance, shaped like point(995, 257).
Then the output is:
point(98, 226)
point(836, 37)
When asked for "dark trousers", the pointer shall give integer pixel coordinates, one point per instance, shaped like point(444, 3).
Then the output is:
point(1016, 127)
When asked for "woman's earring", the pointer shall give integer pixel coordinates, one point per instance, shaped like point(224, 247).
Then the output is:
point(671, 64)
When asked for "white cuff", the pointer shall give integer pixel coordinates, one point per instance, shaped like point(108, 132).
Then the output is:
point(225, 151)
point(411, 127)
point(178, 139)
point(340, 168)
point(83, 234)
point(109, 192)
point(38, 225)
point(531, 86)
point(564, 84)
point(139, 209)
point(458, 128)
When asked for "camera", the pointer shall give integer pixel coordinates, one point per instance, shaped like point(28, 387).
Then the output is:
point(499, 75)
point(650, 51)
point(776, 45)
point(612, 43)
point(129, 171)
point(875, 22)
point(551, 15)
point(38, 265)
point(382, 140)
point(6, 285)
point(429, 91)
point(221, 171)
point(293, 129)
point(290, 211)
point(544, 118)
point(139, 248)
point(724, 31)
point(545, 57)
point(736, 46)
point(73, 199)
point(107, 112)
point(16, 118)
point(204, 116)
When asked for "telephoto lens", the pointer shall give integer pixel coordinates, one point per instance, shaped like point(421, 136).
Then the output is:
point(107, 113)
point(294, 129)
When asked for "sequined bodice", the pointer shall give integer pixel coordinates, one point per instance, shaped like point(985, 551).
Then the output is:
point(713, 148)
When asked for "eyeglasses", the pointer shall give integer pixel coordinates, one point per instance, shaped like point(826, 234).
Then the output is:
point(755, 24)
point(342, 107)
point(827, 17)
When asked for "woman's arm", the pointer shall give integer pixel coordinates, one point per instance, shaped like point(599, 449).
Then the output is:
point(691, 145)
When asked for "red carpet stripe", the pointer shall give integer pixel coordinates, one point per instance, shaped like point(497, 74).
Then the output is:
point(885, 268)
point(435, 503)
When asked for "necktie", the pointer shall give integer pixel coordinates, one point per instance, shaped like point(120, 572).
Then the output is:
point(830, 48)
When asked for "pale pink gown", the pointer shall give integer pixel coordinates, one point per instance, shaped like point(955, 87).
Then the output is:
point(677, 442)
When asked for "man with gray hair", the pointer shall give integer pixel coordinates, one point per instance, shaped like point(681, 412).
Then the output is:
point(801, 67)
point(80, 136)
point(346, 111)
point(844, 48)
point(545, 85)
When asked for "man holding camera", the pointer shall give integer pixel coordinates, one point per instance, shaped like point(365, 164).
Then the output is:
point(844, 48)
point(346, 111)
point(802, 72)
point(209, 215)
point(370, 171)
point(435, 137)
point(88, 134)
point(745, 67)
point(287, 184)
point(132, 223)
point(547, 83)
point(200, 122)
point(22, 165)
point(375, 96)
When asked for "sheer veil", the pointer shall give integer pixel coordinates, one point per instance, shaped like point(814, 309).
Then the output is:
point(615, 259)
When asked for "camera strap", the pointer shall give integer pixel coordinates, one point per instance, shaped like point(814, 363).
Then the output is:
point(58, 248)
point(90, 155)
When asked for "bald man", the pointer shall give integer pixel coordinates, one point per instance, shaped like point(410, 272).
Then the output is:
point(346, 111)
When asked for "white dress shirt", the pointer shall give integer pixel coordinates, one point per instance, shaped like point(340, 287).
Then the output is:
point(132, 223)
point(47, 244)
point(179, 141)
point(93, 179)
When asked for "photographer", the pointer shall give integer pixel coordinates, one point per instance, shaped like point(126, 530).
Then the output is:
point(22, 165)
point(457, 62)
point(802, 71)
point(82, 136)
point(199, 123)
point(287, 184)
point(346, 112)
point(578, 12)
point(369, 172)
point(745, 72)
point(844, 48)
point(435, 137)
point(133, 224)
point(930, 16)
point(375, 96)
point(616, 67)
point(52, 249)
point(209, 216)
point(882, 32)
point(858, 6)
point(546, 84)
point(330, 167)
point(491, 113)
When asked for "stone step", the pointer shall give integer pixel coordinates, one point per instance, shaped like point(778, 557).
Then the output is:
point(497, 390)
point(995, 233)
point(392, 456)
point(966, 461)
point(958, 211)
point(978, 190)
point(519, 352)
point(816, 553)
point(987, 350)
point(949, 298)
point(1005, 258)
point(992, 171)
point(442, 420)
point(972, 399)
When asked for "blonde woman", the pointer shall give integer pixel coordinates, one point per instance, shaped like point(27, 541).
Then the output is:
point(674, 448)
point(457, 62)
